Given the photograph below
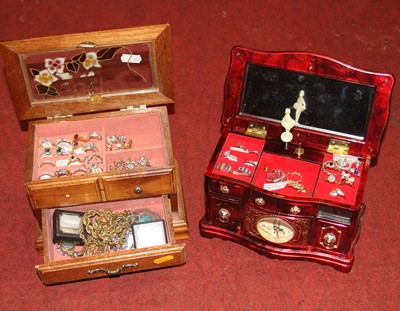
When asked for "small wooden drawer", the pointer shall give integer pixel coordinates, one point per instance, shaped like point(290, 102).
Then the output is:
point(60, 269)
point(222, 187)
point(46, 194)
point(297, 208)
point(139, 185)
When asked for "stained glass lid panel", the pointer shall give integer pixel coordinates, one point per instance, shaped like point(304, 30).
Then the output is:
point(90, 72)
point(86, 71)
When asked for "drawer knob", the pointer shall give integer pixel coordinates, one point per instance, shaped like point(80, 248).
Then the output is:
point(329, 239)
point(224, 189)
point(295, 210)
point(138, 190)
point(224, 215)
point(259, 201)
point(114, 272)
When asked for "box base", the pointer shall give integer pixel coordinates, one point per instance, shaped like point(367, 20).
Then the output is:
point(343, 264)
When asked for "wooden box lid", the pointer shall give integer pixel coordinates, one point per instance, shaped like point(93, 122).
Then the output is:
point(90, 72)
point(341, 102)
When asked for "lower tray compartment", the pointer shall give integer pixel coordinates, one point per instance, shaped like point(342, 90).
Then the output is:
point(60, 268)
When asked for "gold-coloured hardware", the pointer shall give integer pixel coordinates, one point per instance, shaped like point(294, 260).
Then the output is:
point(299, 151)
point(295, 210)
point(256, 130)
point(114, 272)
point(338, 146)
point(138, 190)
point(86, 44)
point(259, 201)
point(95, 98)
point(224, 189)
point(224, 215)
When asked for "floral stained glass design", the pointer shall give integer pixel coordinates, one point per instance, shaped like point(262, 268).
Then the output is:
point(82, 71)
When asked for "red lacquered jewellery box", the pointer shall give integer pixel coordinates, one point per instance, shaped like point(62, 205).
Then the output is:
point(288, 174)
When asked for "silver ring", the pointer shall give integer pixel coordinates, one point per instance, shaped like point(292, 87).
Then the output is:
point(90, 147)
point(92, 156)
point(250, 163)
point(275, 176)
point(224, 167)
point(83, 170)
point(143, 161)
point(46, 162)
point(337, 193)
point(46, 153)
point(62, 172)
point(239, 148)
point(229, 156)
point(244, 171)
point(45, 175)
point(94, 135)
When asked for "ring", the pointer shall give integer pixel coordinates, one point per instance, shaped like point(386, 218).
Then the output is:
point(143, 161)
point(92, 156)
point(93, 168)
point(47, 143)
point(94, 135)
point(276, 175)
point(62, 172)
point(46, 153)
point(250, 163)
point(242, 171)
point(224, 167)
point(45, 175)
point(331, 176)
point(46, 162)
point(83, 170)
point(346, 179)
point(342, 164)
point(90, 147)
point(64, 147)
point(227, 155)
point(337, 193)
point(239, 148)
point(74, 159)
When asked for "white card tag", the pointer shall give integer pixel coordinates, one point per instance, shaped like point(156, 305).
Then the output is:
point(63, 162)
point(129, 58)
point(275, 186)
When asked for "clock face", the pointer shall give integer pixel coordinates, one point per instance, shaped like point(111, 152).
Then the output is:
point(275, 230)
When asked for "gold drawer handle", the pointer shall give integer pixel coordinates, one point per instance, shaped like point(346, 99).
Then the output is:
point(259, 201)
point(114, 272)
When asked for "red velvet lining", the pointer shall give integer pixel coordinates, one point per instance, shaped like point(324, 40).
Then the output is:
point(324, 187)
point(309, 174)
point(254, 146)
point(304, 172)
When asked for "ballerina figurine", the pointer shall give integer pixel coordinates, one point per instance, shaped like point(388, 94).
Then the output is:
point(299, 105)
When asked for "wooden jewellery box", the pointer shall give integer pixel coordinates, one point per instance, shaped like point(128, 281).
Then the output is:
point(288, 174)
point(105, 145)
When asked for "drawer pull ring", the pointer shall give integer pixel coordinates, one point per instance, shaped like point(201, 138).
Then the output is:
point(224, 189)
point(114, 272)
point(138, 190)
point(224, 215)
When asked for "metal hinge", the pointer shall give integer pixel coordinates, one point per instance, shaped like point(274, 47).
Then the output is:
point(338, 146)
point(132, 107)
point(60, 117)
point(256, 130)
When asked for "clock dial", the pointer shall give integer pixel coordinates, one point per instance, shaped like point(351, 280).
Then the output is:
point(275, 230)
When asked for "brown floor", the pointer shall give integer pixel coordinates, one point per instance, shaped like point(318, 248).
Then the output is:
point(219, 275)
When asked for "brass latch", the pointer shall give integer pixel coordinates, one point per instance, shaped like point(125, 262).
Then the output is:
point(257, 130)
point(94, 98)
point(338, 146)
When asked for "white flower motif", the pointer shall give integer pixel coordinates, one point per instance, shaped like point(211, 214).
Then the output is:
point(54, 65)
point(91, 61)
point(45, 78)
